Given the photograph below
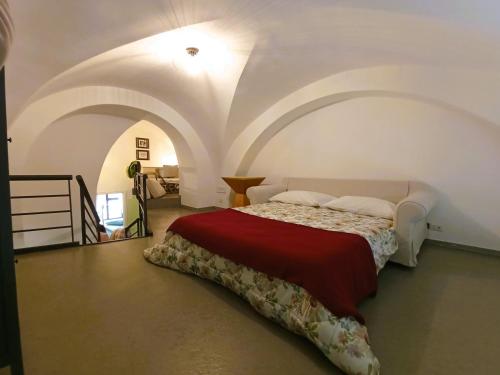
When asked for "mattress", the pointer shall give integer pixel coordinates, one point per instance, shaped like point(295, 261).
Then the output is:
point(379, 232)
point(342, 339)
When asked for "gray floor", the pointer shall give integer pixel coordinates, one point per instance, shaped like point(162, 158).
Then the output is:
point(104, 310)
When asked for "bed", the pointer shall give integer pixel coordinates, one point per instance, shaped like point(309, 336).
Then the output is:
point(304, 267)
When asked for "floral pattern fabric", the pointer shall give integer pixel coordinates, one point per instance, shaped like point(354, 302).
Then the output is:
point(344, 341)
point(379, 232)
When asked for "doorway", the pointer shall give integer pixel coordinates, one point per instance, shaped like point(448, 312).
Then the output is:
point(150, 145)
point(110, 208)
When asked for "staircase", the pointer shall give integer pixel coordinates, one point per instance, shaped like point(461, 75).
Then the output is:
point(60, 213)
point(91, 222)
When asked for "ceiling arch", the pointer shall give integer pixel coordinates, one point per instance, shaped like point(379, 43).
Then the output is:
point(292, 56)
point(380, 81)
point(196, 161)
point(281, 46)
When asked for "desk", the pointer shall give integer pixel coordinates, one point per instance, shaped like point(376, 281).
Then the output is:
point(240, 186)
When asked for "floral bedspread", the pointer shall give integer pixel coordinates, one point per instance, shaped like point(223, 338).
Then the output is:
point(343, 340)
point(379, 232)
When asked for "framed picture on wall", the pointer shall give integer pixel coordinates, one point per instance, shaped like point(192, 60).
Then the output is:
point(142, 142)
point(142, 154)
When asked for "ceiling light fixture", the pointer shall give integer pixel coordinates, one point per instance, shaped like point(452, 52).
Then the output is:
point(192, 51)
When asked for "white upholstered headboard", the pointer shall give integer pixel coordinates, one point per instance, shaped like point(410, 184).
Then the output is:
point(414, 203)
point(394, 191)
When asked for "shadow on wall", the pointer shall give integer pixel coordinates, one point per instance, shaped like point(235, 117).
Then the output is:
point(399, 139)
point(305, 109)
point(466, 224)
point(447, 211)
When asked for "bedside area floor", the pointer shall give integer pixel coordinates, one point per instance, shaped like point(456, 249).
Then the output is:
point(105, 310)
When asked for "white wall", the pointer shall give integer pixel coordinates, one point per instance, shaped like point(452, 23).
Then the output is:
point(82, 144)
point(196, 164)
point(113, 178)
point(72, 145)
point(391, 138)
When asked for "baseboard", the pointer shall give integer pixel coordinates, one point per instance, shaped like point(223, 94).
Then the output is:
point(201, 209)
point(471, 249)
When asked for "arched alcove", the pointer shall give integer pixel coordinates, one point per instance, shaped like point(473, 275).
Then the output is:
point(71, 132)
point(196, 165)
point(464, 207)
point(397, 138)
point(113, 179)
point(383, 81)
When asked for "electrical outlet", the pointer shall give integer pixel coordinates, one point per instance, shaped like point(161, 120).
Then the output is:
point(435, 227)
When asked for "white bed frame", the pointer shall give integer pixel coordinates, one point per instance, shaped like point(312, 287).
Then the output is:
point(414, 203)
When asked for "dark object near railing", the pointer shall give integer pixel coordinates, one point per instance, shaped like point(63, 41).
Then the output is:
point(134, 225)
point(134, 168)
point(140, 191)
point(68, 210)
point(91, 223)
point(10, 341)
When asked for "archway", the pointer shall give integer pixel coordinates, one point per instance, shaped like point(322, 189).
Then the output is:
point(115, 202)
point(78, 144)
point(196, 165)
point(385, 81)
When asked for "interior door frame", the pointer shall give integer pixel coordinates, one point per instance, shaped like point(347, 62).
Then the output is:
point(9, 326)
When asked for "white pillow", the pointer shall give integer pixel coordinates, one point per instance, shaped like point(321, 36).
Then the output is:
point(363, 206)
point(304, 198)
point(155, 188)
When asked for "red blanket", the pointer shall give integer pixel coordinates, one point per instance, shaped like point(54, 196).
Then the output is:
point(336, 268)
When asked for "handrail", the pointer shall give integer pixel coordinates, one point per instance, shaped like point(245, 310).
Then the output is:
point(140, 190)
point(138, 223)
point(86, 203)
point(85, 192)
point(39, 196)
point(41, 212)
point(40, 177)
point(68, 210)
point(41, 229)
point(91, 225)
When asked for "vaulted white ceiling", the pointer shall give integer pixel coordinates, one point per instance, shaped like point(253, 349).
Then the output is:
point(268, 48)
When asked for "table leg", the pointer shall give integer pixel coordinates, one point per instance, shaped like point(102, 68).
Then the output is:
point(240, 200)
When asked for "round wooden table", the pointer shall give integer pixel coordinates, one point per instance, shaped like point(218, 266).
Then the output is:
point(240, 184)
